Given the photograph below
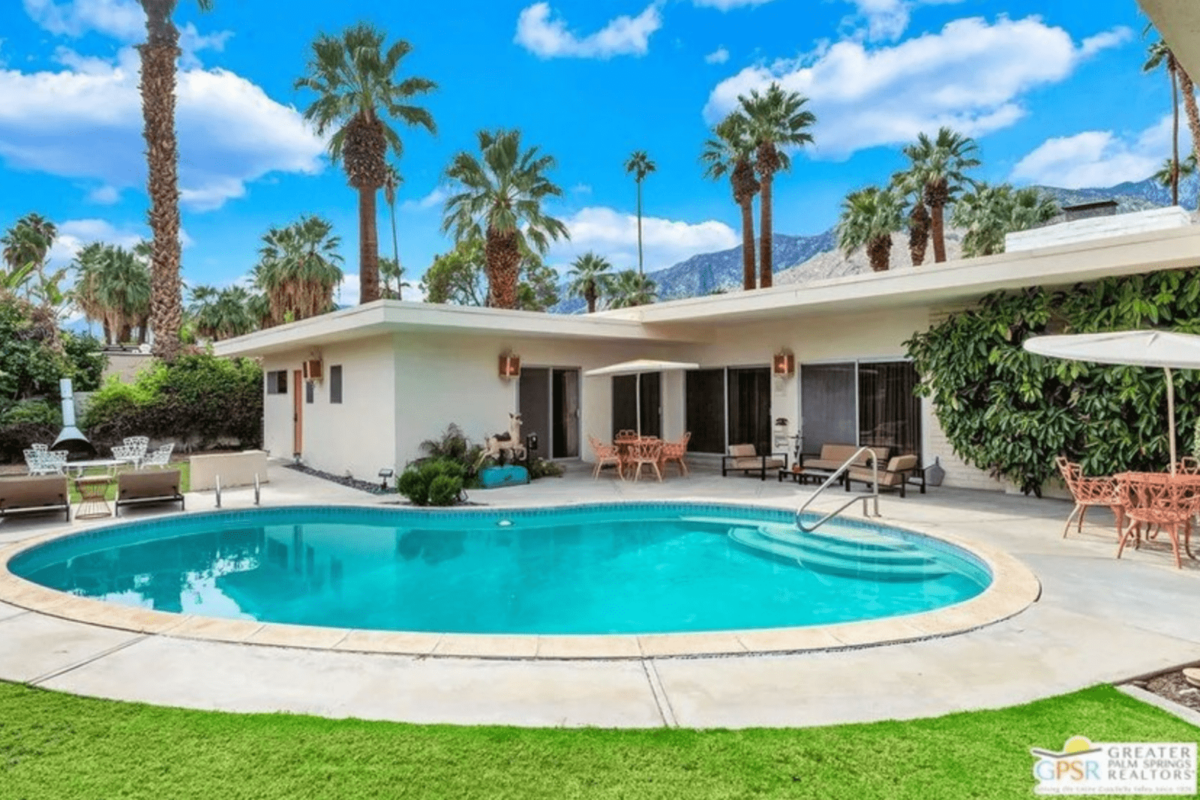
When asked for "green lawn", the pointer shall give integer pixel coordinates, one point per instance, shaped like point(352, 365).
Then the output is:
point(59, 746)
point(184, 467)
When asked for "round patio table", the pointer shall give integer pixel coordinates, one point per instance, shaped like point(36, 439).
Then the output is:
point(78, 467)
point(93, 500)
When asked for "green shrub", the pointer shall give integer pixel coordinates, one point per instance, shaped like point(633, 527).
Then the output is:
point(1011, 412)
point(17, 436)
point(38, 412)
point(541, 468)
point(436, 482)
point(198, 400)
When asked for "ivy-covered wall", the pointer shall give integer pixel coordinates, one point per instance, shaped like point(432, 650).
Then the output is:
point(1010, 412)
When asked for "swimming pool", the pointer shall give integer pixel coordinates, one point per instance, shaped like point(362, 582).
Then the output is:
point(598, 569)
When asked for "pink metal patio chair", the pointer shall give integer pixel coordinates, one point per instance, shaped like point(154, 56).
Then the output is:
point(1088, 492)
point(1167, 501)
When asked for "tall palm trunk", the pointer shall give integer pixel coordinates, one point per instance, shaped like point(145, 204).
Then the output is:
point(503, 257)
point(368, 246)
point(157, 87)
point(936, 196)
point(880, 252)
point(396, 249)
point(589, 294)
point(766, 258)
point(1171, 67)
point(747, 244)
point(1188, 90)
point(639, 190)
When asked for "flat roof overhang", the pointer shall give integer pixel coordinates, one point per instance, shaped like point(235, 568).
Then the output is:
point(384, 317)
point(1179, 23)
point(951, 282)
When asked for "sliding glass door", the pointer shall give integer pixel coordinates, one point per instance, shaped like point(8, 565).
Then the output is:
point(631, 413)
point(549, 406)
point(860, 403)
point(750, 407)
point(705, 410)
point(827, 403)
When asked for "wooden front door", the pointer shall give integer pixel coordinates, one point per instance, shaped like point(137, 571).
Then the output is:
point(297, 413)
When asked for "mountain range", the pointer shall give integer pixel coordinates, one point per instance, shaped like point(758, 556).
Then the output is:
point(800, 259)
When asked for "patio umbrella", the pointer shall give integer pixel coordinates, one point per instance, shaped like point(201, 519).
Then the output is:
point(1129, 348)
point(636, 367)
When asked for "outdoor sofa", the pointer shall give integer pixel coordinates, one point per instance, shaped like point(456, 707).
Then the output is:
point(35, 493)
point(141, 488)
point(896, 475)
point(744, 458)
point(833, 456)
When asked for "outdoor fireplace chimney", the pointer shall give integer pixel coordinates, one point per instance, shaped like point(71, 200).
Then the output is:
point(70, 434)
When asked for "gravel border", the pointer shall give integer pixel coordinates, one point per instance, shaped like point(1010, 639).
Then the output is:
point(353, 483)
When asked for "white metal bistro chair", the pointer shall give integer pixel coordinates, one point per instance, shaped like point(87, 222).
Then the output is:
point(159, 458)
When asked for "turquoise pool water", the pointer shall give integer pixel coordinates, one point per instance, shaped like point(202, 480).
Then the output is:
point(598, 569)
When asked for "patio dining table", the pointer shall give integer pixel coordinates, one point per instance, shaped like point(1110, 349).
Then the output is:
point(1167, 501)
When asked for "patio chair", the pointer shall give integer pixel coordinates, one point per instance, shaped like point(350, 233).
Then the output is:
point(675, 451)
point(140, 444)
point(41, 493)
point(605, 454)
point(626, 436)
point(643, 452)
point(1167, 501)
point(128, 454)
point(138, 488)
point(896, 475)
point(159, 458)
point(35, 461)
point(1088, 492)
point(744, 458)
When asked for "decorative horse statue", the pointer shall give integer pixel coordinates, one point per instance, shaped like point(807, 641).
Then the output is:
point(507, 443)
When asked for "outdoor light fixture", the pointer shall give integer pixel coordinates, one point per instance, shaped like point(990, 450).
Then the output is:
point(783, 364)
point(510, 366)
point(384, 474)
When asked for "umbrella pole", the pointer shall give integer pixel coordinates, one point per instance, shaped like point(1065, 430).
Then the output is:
point(1171, 415)
point(637, 379)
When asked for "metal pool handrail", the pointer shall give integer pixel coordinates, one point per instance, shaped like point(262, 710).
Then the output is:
point(873, 496)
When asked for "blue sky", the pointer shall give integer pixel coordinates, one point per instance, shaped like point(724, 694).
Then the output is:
point(1052, 91)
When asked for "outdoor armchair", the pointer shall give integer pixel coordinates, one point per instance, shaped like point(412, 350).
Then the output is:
point(643, 452)
point(1087, 492)
point(1169, 502)
point(895, 475)
point(605, 454)
point(675, 451)
point(159, 458)
point(744, 458)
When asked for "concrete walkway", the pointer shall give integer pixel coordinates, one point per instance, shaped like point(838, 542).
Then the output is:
point(1098, 620)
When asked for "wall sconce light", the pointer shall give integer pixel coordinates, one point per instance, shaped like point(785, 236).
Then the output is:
point(783, 364)
point(510, 366)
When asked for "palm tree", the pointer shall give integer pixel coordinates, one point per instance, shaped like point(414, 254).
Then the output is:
point(391, 183)
point(631, 289)
point(389, 270)
point(298, 269)
point(158, 57)
point(28, 243)
point(222, 313)
point(731, 152)
point(869, 217)
point(500, 202)
point(357, 92)
point(777, 120)
point(1159, 55)
point(114, 287)
point(937, 167)
point(1171, 173)
point(640, 165)
point(590, 279)
point(905, 186)
point(989, 212)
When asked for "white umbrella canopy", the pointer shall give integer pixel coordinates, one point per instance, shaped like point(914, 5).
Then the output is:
point(1128, 348)
point(640, 365)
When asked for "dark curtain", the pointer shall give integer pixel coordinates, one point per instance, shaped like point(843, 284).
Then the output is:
point(705, 410)
point(750, 407)
point(889, 413)
point(624, 403)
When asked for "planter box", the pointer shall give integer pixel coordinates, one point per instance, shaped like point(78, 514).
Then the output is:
point(496, 477)
point(235, 469)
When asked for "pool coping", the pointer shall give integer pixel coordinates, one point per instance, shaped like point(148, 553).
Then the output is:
point(1014, 588)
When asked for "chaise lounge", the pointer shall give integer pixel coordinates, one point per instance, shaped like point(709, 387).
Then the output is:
point(143, 488)
point(35, 493)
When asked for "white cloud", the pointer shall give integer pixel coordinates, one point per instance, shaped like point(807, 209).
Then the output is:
point(613, 235)
point(726, 5)
point(104, 195)
point(121, 19)
point(969, 76)
point(878, 20)
point(1100, 158)
point(1104, 40)
point(435, 198)
point(581, 188)
point(85, 121)
point(718, 56)
point(547, 37)
point(75, 233)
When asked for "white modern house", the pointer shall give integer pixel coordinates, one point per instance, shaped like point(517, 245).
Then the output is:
point(359, 390)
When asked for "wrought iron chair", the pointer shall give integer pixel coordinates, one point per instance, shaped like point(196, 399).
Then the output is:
point(159, 458)
point(675, 451)
point(1167, 501)
point(605, 454)
point(643, 452)
point(1088, 492)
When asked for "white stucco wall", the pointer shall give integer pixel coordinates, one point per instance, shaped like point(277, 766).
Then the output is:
point(277, 408)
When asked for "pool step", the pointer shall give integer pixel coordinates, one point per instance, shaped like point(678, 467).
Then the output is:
point(898, 552)
point(902, 564)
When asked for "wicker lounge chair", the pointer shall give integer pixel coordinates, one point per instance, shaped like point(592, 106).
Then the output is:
point(139, 488)
point(744, 458)
point(1088, 492)
point(896, 475)
point(40, 493)
point(605, 454)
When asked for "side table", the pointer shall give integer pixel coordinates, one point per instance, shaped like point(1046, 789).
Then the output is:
point(92, 497)
point(801, 476)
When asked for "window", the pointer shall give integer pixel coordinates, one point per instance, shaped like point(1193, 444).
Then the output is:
point(277, 382)
point(335, 384)
point(705, 408)
point(308, 392)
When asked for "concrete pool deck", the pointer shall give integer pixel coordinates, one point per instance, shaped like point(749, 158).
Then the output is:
point(1097, 620)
